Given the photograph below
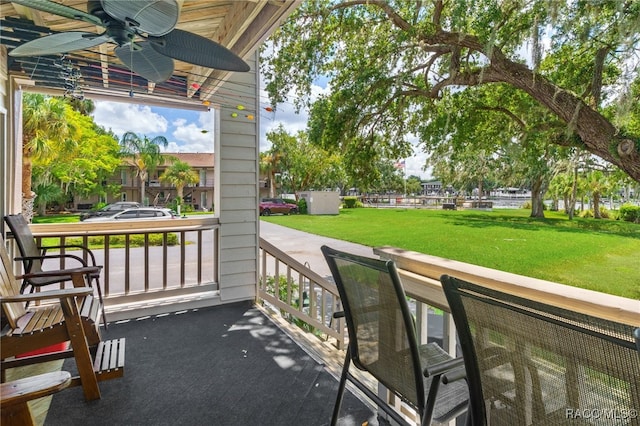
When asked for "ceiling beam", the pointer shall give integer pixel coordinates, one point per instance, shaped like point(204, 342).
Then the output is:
point(255, 33)
point(236, 22)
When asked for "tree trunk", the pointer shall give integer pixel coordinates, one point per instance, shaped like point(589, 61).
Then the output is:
point(574, 193)
point(537, 198)
point(142, 190)
point(26, 176)
point(28, 196)
point(596, 205)
point(272, 185)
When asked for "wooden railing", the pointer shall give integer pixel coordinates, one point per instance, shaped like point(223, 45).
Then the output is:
point(301, 295)
point(145, 260)
point(420, 275)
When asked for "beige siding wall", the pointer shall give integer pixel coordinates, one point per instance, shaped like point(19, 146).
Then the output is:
point(9, 195)
point(237, 188)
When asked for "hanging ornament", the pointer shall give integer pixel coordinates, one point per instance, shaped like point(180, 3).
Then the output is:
point(249, 116)
point(206, 103)
point(268, 109)
point(240, 107)
point(234, 114)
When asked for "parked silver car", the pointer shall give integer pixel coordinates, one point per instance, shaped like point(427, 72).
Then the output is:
point(110, 209)
point(140, 213)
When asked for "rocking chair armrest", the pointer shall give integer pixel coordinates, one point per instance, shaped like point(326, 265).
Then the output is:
point(66, 246)
point(46, 295)
point(57, 272)
point(443, 367)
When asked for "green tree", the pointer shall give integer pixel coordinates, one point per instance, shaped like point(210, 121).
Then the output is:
point(302, 165)
point(501, 124)
point(47, 193)
point(390, 61)
point(597, 184)
point(387, 178)
point(145, 155)
point(414, 185)
point(79, 164)
point(43, 121)
point(180, 174)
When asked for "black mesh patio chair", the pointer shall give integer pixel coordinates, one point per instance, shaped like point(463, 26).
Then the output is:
point(383, 342)
point(32, 257)
point(564, 367)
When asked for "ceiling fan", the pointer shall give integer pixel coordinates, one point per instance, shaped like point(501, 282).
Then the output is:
point(144, 32)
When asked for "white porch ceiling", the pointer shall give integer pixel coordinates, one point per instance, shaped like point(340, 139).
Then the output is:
point(239, 25)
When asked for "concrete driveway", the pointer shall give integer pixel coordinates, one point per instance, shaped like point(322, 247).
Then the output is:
point(305, 247)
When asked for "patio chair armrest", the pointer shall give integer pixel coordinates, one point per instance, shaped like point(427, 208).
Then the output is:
point(48, 295)
point(66, 246)
point(58, 272)
point(339, 314)
point(28, 260)
point(454, 375)
point(443, 367)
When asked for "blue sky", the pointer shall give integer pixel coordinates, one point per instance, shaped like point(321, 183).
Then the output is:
point(191, 131)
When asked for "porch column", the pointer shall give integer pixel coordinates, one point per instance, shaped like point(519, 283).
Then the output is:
point(237, 119)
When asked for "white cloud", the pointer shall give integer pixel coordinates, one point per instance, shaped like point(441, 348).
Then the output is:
point(191, 138)
point(125, 117)
point(193, 134)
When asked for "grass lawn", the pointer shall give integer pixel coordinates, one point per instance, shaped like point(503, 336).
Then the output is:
point(602, 255)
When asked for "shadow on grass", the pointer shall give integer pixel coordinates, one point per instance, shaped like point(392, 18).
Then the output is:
point(577, 225)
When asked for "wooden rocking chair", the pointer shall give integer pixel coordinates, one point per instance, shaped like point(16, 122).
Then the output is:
point(56, 317)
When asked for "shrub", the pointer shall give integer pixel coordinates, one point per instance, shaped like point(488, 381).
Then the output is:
point(528, 205)
point(350, 202)
point(98, 206)
point(629, 213)
point(289, 293)
point(302, 206)
point(135, 240)
point(604, 213)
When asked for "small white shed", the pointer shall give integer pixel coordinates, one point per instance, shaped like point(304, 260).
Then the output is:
point(321, 202)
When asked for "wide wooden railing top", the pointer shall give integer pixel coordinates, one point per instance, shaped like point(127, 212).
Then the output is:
point(193, 223)
point(421, 274)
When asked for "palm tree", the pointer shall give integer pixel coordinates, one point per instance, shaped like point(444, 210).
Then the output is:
point(145, 155)
point(180, 174)
point(43, 119)
point(269, 166)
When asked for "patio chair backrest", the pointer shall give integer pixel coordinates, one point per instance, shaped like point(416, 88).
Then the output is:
point(9, 287)
point(382, 337)
point(24, 238)
point(564, 364)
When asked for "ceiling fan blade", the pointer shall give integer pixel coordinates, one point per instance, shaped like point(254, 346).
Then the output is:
point(60, 10)
point(146, 62)
point(197, 50)
point(154, 17)
point(59, 43)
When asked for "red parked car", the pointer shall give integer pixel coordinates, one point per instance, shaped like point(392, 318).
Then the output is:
point(270, 206)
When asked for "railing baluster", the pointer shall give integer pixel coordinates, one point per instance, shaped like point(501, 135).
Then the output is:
point(131, 274)
point(127, 264)
point(146, 263)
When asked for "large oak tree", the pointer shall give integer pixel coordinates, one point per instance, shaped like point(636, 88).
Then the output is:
point(388, 63)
